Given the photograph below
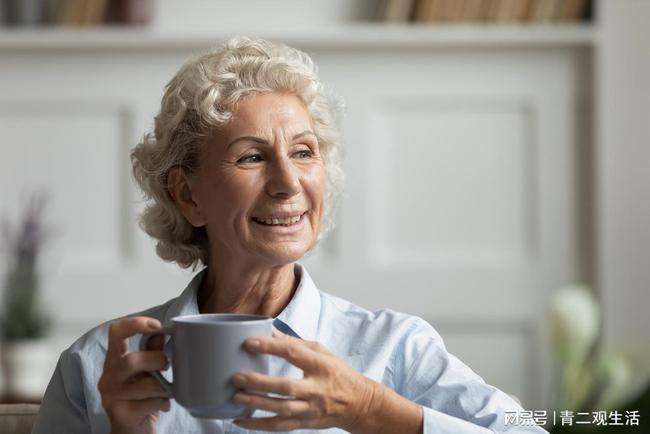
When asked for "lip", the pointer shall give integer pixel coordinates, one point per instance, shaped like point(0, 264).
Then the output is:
point(283, 229)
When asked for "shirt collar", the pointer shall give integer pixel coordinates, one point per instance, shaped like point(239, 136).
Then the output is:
point(301, 315)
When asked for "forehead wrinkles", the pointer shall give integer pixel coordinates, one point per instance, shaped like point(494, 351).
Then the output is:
point(281, 108)
point(275, 131)
point(286, 111)
point(274, 120)
point(287, 118)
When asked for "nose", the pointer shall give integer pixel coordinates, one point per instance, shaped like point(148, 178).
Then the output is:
point(283, 178)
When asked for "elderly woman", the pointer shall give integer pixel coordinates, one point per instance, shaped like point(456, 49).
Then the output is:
point(242, 172)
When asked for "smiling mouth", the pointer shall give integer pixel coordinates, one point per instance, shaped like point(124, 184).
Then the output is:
point(289, 221)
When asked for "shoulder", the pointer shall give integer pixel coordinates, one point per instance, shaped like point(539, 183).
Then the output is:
point(386, 343)
point(379, 325)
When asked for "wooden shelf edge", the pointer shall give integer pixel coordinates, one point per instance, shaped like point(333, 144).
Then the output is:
point(371, 36)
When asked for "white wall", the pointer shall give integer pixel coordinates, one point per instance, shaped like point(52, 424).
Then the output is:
point(624, 175)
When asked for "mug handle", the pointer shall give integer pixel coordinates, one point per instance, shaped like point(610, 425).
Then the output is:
point(166, 384)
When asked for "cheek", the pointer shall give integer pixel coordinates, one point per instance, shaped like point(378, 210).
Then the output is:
point(240, 197)
point(237, 190)
point(317, 181)
point(322, 183)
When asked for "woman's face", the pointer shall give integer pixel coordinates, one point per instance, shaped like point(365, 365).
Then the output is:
point(261, 182)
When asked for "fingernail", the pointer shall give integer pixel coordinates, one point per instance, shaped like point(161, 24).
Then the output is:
point(239, 380)
point(254, 343)
point(153, 324)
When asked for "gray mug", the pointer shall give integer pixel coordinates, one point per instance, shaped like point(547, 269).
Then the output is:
point(207, 350)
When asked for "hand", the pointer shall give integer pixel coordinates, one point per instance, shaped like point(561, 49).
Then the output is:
point(331, 394)
point(131, 397)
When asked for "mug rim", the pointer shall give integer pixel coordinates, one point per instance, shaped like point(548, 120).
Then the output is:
point(195, 319)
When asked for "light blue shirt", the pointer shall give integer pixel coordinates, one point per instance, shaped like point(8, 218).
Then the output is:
point(401, 351)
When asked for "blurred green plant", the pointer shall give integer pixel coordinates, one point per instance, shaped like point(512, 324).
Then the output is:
point(588, 378)
point(21, 316)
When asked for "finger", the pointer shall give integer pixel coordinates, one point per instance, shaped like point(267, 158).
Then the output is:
point(281, 406)
point(254, 381)
point(156, 342)
point(276, 423)
point(144, 388)
point(119, 331)
point(293, 350)
point(140, 361)
point(316, 346)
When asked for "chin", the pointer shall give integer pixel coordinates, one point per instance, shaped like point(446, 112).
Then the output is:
point(283, 255)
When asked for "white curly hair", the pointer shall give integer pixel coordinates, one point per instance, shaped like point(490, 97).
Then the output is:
point(198, 100)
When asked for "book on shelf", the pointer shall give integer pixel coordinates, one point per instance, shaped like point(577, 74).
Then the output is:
point(80, 12)
point(436, 11)
point(424, 11)
point(453, 11)
point(430, 11)
point(396, 10)
point(508, 10)
point(543, 10)
point(475, 10)
point(77, 12)
point(136, 12)
point(571, 10)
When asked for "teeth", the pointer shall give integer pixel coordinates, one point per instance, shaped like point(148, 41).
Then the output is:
point(285, 221)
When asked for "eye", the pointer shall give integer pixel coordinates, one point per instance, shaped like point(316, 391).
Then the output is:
point(253, 158)
point(305, 153)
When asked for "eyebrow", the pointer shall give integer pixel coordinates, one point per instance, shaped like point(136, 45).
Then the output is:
point(264, 142)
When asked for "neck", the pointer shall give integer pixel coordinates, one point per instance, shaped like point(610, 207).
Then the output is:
point(242, 288)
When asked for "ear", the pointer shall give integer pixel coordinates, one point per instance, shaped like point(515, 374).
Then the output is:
point(180, 189)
